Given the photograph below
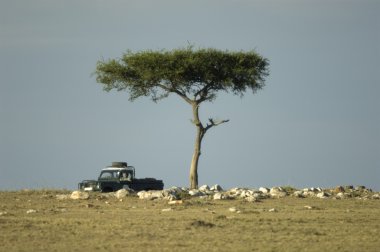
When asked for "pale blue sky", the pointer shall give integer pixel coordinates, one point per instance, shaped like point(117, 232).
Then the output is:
point(316, 123)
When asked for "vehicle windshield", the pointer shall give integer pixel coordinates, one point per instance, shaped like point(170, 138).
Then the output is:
point(109, 175)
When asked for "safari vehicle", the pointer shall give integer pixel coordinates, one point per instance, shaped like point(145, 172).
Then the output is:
point(118, 176)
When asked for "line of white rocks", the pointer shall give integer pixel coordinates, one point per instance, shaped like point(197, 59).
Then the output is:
point(252, 195)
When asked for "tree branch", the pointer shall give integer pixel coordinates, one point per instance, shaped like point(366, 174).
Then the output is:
point(203, 93)
point(176, 91)
point(213, 123)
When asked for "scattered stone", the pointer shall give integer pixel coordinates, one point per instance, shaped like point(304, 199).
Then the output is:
point(150, 195)
point(216, 188)
point(175, 202)
point(166, 210)
point(376, 196)
point(122, 193)
point(196, 192)
point(233, 209)
point(79, 195)
point(309, 207)
point(277, 192)
point(250, 195)
point(272, 210)
point(62, 196)
point(173, 193)
point(264, 190)
point(322, 195)
point(276, 189)
point(298, 194)
point(219, 196)
point(339, 189)
point(234, 192)
point(30, 211)
point(313, 189)
point(59, 210)
point(204, 188)
point(3, 213)
point(251, 198)
point(340, 196)
point(360, 188)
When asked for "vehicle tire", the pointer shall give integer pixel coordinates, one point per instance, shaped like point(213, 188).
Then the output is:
point(119, 164)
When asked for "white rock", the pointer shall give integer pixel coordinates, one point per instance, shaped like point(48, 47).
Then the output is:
point(195, 192)
point(175, 202)
point(204, 188)
point(251, 199)
point(217, 188)
point(248, 193)
point(322, 195)
point(31, 211)
point(3, 213)
point(122, 193)
point(233, 210)
point(244, 194)
point(376, 196)
point(275, 190)
point(157, 194)
point(277, 194)
point(340, 195)
point(308, 193)
point(235, 190)
point(79, 195)
point(272, 210)
point(171, 197)
point(167, 210)
point(175, 190)
point(218, 196)
point(264, 190)
point(62, 196)
point(150, 195)
point(298, 194)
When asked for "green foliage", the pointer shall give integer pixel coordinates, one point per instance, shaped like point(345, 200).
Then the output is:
point(195, 75)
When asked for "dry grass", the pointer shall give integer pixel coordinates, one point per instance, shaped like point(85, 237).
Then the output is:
point(107, 224)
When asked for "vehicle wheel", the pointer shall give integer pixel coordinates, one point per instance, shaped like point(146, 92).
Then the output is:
point(119, 164)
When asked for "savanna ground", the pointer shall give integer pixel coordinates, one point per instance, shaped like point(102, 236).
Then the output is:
point(108, 224)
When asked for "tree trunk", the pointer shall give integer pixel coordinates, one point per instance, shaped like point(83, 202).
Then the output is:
point(194, 161)
point(197, 148)
point(201, 131)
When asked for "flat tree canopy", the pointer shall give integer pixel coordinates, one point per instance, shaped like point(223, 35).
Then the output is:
point(194, 75)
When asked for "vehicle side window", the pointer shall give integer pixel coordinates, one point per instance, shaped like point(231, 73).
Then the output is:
point(125, 176)
point(106, 175)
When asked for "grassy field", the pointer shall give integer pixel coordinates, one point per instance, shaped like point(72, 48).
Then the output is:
point(109, 224)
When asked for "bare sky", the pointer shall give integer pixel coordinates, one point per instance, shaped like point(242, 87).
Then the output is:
point(316, 123)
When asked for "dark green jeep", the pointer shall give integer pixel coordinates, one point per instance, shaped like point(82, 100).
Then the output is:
point(119, 176)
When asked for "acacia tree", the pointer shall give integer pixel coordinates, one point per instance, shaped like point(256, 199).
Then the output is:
point(194, 75)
